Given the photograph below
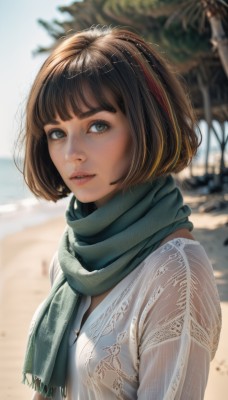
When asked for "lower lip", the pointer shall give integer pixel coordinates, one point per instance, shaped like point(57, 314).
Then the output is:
point(82, 181)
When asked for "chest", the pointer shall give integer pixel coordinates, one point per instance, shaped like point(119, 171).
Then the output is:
point(95, 301)
point(105, 351)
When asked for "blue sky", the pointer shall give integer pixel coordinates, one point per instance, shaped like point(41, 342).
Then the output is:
point(20, 36)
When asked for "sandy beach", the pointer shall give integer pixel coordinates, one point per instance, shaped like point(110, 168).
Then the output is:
point(24, 282)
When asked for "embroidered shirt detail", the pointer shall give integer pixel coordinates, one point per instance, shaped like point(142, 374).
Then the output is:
point(139, 341)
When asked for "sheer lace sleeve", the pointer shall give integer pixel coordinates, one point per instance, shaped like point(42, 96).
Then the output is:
point(179, 325)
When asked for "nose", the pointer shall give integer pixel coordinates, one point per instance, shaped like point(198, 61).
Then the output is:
point(74, 150)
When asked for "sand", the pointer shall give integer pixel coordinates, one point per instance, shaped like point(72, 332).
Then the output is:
point(24, 282)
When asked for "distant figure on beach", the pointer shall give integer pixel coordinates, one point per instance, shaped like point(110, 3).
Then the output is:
point(134, 311)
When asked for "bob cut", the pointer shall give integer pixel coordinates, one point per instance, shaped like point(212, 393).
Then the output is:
point(116, 62)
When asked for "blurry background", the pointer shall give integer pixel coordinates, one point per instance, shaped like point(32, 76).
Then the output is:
point(193, 36)
point(20, 36)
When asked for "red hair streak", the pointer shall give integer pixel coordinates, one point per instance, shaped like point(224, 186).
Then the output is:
point(154, 89)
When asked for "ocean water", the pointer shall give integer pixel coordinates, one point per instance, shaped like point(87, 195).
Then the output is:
point(19, 208)
point(12, 186)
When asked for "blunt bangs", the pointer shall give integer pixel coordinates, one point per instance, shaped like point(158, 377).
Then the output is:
point(65, 92)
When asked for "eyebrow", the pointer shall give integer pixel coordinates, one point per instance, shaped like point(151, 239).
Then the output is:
point(93, 111)
point(87, 114)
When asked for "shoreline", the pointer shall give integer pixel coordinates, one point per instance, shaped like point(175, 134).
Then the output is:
point(24, 283)
point(27, 213)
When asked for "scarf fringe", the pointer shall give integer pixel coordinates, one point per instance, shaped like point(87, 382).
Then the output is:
point(45, 390)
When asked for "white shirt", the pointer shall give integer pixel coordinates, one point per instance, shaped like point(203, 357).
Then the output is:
point(153, 336)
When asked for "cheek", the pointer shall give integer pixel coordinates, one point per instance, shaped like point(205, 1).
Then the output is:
point(127, 147)
point(55, 158)
point(52, 153)
point(118, 153)
point(121, 155)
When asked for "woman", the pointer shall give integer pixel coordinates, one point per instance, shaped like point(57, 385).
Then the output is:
point(134, 311)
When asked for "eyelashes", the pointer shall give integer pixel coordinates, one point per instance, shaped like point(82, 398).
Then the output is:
point(55, 134)
point(94, 127)
point(100, 126)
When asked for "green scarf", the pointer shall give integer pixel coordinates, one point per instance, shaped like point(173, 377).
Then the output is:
point(97, 250)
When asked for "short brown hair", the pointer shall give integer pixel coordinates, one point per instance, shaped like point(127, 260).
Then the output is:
point(141, 83)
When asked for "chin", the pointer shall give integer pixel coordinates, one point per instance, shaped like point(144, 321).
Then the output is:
point(99, 200)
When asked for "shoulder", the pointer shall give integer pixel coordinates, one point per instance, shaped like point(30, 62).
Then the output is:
point(180, 264)
point(180, 294)
point(180, 254)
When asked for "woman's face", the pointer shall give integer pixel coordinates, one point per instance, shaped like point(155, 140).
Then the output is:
point(91, 152)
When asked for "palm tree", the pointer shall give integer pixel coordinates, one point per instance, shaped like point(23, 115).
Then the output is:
point(216, 11)
point(196, 12)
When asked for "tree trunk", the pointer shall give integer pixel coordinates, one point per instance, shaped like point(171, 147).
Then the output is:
point(222, 144)
point(223, 148)
point(207, 113)
point(219, 40)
